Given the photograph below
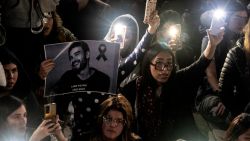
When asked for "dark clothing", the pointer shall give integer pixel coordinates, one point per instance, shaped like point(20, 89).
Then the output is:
point(128, 65)
point(86, 104)
point(235, 79)
point(164, 117)
point(86, 109)
point(58, 34)
point(26, 46)
point(88, 23)
point(22, 89)
point(71, 83)
point(207, 99)
point(222, 48)
point(185, 57)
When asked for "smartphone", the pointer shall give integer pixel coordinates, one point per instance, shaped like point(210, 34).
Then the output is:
point(50, 112)
point(174, 31)
point(174, 35)
point(120, 34)
point(216, 24)
point(149, 8)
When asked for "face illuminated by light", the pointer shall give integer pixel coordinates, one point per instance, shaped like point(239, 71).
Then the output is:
point(78, 58)
point(112, 125)
point(17, 121)
point(161, 67)
point(11, 73)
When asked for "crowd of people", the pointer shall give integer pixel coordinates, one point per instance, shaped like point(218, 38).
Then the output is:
point(177, 80)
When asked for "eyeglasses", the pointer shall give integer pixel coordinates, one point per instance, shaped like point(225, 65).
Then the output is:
point(115, 122)
point(161, 66)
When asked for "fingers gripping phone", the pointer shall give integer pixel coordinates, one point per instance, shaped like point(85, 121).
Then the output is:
point(50, 112)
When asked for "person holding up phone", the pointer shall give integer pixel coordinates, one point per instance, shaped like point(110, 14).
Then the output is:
point(13, 123)
point(162, 104)
point(131, 50)
point(236, 18)
point(208, 93)
point(170, 32)
point(218, 21)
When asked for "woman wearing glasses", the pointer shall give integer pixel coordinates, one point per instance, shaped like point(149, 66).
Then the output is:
point(114, 121)
point(158, 103)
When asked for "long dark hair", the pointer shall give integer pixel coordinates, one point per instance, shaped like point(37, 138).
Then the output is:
point(155, 49)
point(8, 104)
point(121, 104)
point(238, 126)
point(23, 84)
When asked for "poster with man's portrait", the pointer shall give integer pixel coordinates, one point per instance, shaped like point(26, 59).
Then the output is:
point(82, 66)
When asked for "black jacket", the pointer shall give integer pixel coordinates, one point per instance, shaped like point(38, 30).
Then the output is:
point(171, 109)
point(235, 79)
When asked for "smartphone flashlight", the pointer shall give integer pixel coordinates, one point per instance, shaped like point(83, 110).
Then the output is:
point(174, 31)
point(219, 13)
point(120, 32)
point(218, 21)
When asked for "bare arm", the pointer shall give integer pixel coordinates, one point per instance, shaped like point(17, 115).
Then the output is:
point(212, 43)
point(209, 53)
point(154, 23)
point(212, 76)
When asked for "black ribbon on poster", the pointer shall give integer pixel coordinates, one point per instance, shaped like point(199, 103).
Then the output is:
point(102, 49)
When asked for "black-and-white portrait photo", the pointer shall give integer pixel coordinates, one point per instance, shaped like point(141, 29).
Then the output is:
point(82, 66)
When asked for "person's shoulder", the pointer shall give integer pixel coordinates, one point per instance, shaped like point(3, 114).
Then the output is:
point(237, 51)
